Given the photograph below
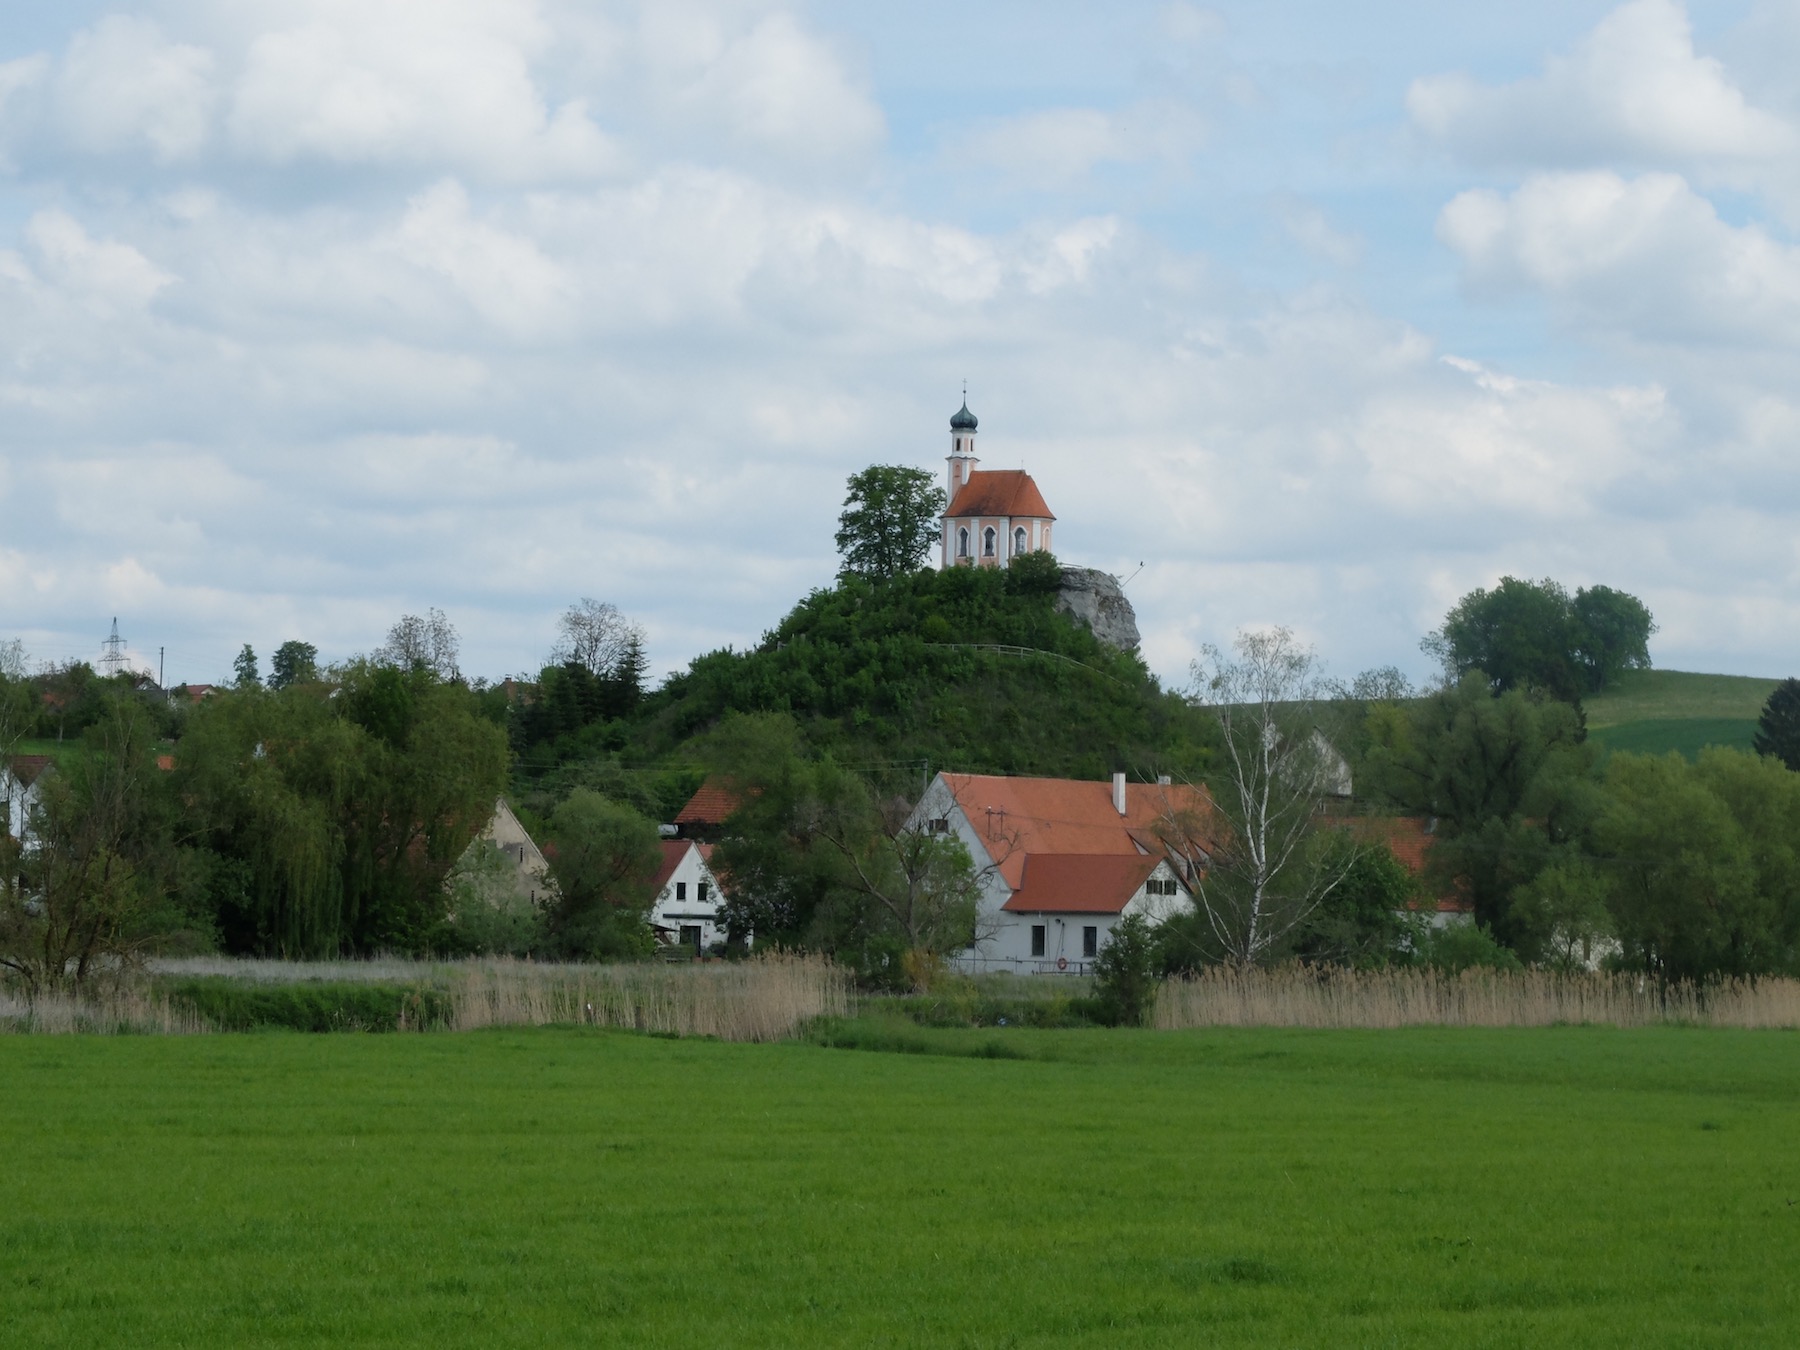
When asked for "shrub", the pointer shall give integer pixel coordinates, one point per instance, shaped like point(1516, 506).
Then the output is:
point(1125, 974)
point(316, 1005)
point(1464, 945)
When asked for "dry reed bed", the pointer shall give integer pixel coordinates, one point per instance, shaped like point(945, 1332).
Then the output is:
point(1298, 996)
point(125, 1011)
point(763, 999)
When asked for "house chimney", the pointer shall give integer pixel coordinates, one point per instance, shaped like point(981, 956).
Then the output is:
point(1119, 793)
point(1163, 780)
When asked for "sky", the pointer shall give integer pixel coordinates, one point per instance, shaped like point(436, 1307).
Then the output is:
point(320, 312)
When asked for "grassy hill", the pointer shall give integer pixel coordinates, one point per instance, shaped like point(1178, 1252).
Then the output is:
point(1656, 711)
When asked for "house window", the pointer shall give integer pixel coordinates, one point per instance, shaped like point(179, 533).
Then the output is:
point(1090, 941)
point(1037, 939)
point(681, 890)
point(939, 826)
point(690, 936)
point(987, 542)
point(962, 543)
point(700, 892)
point(1019, 540)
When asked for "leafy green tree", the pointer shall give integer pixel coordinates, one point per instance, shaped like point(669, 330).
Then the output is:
point(1688, 895)
point(1565, 905)
point(1612, 635)
point(890, 520)
point(1509, 779)
point(295, 662)
point(346, 813)
point(244, 669)
point(1520, 635)
point(1125, 973)
point(1367, 919)
point(1535, 635)
point(602, 856)
point(100, 865)
point(1778, 728)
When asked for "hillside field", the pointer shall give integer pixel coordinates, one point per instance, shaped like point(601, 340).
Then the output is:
point(1656, 711)
point(1570, 1186)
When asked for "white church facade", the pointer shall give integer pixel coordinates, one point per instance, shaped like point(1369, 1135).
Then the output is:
point(994, 515)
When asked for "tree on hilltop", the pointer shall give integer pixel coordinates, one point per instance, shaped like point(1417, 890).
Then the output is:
point(890, 521)
point(1535, 635)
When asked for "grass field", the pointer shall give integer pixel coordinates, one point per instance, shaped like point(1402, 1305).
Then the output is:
point(1656, 711)
point(1572, 1186)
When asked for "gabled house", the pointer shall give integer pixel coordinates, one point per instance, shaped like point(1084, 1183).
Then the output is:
point(1409, 839)
point(21, 782)
point(1062, 861)
point(527, 880)
point(685, 912)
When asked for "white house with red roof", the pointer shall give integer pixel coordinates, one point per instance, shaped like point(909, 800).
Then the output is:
point(685, 912)
point(994, 515)
point(1061, 861)
point(21, 780)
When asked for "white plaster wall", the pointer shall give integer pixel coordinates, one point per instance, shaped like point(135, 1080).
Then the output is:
point(672, 913)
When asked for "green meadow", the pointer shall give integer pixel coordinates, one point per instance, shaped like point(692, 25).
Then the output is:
point(1656, 711)
point(1568, 1186)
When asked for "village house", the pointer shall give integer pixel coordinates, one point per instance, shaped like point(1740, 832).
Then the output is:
point(685, 912)
point(1062, 861)
point(994, 515)
point(21, 782)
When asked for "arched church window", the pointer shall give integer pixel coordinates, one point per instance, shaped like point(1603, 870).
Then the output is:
point(1019, 540)
point(987, 542)
point(962, 543)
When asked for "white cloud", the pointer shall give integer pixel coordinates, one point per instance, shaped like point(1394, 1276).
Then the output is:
point(1646, 257)
point(106, 274)
point(410, 82)
point(1308, 227)
point(122, 84)
point(504, 277)
point(1058, 147)
point(1634, 91)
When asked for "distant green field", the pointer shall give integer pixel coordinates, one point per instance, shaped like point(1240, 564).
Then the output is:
point(1656, 711)
point(1678, 695)
point(1571, 1186)
point(1689, 735)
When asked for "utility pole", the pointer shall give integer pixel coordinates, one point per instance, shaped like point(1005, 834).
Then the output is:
point(159, 666)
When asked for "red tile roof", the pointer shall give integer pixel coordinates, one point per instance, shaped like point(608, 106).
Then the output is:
point(715, 800)
point(1015, 817)
point(1409, 839)
point(1080, 883)
point(165, 762)
point(1000, 492)
point(673, 851)
point(26, 768)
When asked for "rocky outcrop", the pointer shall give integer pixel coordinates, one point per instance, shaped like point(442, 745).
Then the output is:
point(1094, 598)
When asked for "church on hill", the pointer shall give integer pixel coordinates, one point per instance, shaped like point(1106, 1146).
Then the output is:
point(994, 514)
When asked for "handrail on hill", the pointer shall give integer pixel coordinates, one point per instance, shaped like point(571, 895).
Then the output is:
point(1007, 649)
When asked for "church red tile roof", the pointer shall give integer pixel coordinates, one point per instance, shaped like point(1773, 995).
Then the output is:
point(1000, 492)
point(1080, 883)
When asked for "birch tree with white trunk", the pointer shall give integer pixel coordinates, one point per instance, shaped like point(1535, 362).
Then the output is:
point(1267, 864)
